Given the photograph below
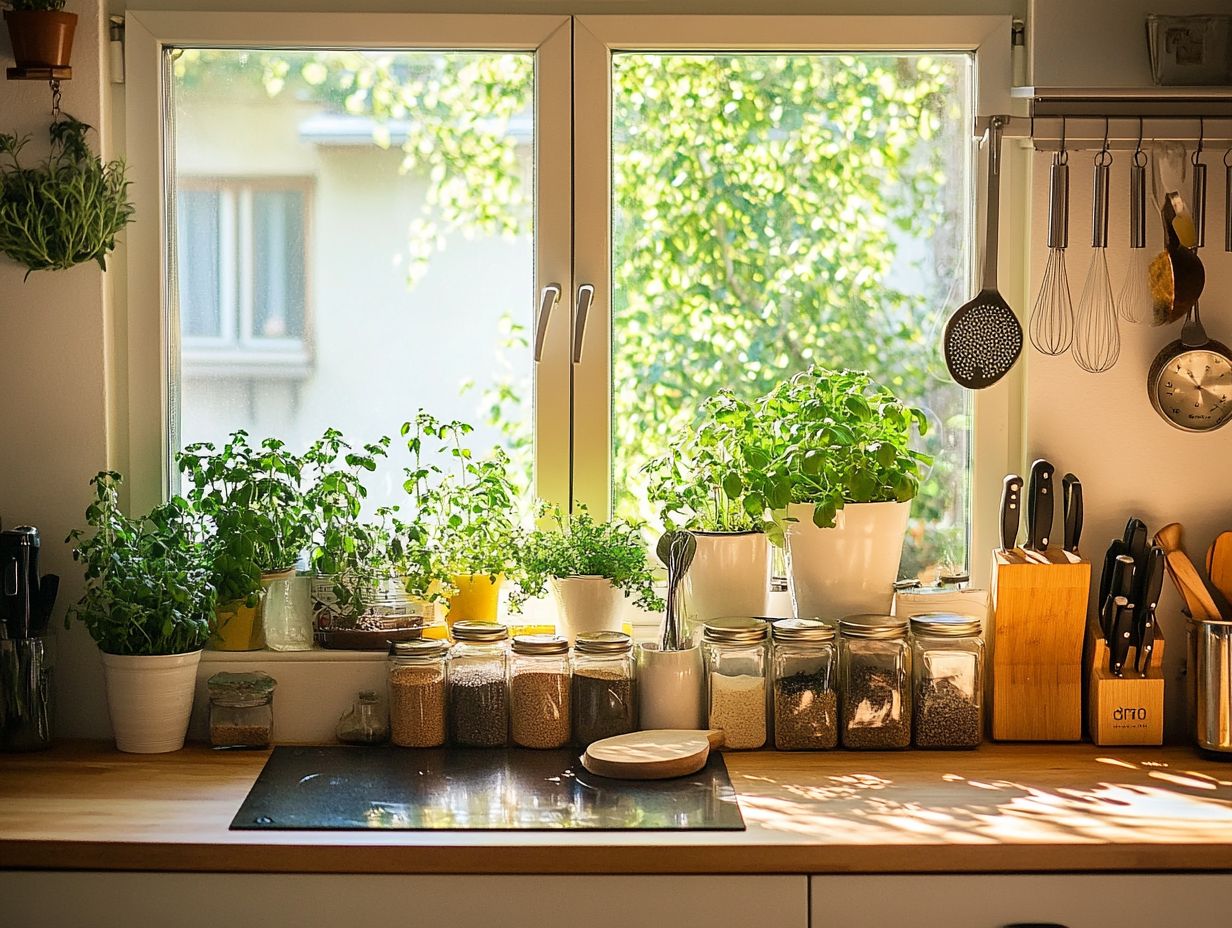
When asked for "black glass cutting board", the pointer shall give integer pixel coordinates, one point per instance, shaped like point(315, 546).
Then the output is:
point(455, 789)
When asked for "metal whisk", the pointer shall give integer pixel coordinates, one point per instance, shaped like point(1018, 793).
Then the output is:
point(1052, 319)
point(1097, 333)
point(1134, 301)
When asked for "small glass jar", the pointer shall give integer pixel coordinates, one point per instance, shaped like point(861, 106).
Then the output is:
point(875, 690)
point(241, 709)
point(804, 663)
point(540, 691)
point(947, 659)
point(418, 692)
point(478, 692)
point(364, 722)
point(604, 697)
point(734, 651)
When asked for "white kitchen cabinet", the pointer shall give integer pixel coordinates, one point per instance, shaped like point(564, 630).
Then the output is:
point(211, 900)
point(1146, 900)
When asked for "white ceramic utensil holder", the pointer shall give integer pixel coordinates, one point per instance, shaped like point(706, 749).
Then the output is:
point(586, 604)
point(670, 686)
point(849, 568)
point(729, 576)
point(150, 699)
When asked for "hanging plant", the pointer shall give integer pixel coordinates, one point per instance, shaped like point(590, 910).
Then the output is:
point(64, 211)
point(41, 32)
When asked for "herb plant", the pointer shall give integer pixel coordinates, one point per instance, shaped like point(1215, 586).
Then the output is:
point(148, 588)
point(838, 437)
point(64, 211)
point(467, 503)
point(35, 6)
point(584, 547)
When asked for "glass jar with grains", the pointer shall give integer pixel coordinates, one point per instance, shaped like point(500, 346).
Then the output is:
point(604, 699)
point(418, 692)
point(734, 651)
point(241, 709)
point(540, 691)
point(947, 659)
point(875, 691)
point(804, 663)
point(478, 694)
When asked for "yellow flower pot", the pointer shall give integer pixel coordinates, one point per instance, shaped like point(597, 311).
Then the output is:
point(476, 598)
point(238, 628)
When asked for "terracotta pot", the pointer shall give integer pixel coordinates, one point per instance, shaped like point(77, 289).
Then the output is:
point(41, 39)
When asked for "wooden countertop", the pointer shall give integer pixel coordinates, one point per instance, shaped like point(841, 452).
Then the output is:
point(1003, 808)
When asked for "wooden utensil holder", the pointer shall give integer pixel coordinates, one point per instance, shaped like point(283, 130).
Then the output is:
point(1039, 621)
point(1128, 709)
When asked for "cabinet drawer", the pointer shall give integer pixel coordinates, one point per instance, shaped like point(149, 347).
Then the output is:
point(1147, 900)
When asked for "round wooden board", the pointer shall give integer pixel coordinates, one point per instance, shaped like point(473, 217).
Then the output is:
point(651, 755)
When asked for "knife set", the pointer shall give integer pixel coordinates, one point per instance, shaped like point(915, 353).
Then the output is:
point(1125, 683)
point(26, 601)
point(1039, 607)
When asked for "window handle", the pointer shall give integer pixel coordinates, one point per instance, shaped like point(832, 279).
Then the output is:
point(547, 299)
point(585, 296)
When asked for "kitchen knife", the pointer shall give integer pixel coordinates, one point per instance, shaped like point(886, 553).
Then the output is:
point(1071, 495)
point(1039, 506)
point(1105, 582)
point(1119, 587)
point(1145, 629)
point(1011, 511)
point(1136, 545)
point(1122, 633)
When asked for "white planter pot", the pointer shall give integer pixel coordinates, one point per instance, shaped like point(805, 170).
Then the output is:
point(729, 576)
point(669, 688)
point(150, 699)
point(847, 569)
point(586, 604)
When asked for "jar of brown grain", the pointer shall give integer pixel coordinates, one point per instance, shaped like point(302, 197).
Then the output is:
point(539, 691)
point(418, 692)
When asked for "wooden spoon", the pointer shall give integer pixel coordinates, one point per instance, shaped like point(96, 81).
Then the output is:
point(1189, 584)
point(1219, 564)
point(652, 755)
point(1169, 537)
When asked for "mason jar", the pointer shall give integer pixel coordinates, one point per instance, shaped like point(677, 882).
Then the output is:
point(418, 692)
point(478, 700)
point(804, 672)
point(875, 687)
point(604, 694)
point(947, 659)
point(734, 651)
point(241, 709)
point(540, 691)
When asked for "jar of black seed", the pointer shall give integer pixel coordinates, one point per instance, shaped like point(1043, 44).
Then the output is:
point(478, 692)
point(804, 663)
point(604, 700)
point(875, 689)
point(947, 657)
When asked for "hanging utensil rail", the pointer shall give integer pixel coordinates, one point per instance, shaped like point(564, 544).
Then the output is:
point(1088, 133)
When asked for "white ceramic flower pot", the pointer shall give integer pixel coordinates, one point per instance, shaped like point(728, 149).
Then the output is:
point(847, 569)
point(729, 576)
point(150, 699)
point(586, 604)
point(669, 688)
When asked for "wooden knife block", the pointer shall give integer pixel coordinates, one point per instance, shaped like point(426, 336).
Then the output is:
point(1040, 619)
point(1128, 709)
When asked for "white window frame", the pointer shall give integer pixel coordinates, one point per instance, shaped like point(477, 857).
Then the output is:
point(997, 420)
point(146, 351)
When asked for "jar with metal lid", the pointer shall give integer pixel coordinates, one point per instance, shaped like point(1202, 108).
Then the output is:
point(875, 687)
point(604, 697)
point(478, 695)
point(418, 692)
point(241, 709)
point(734, 651)
point(947, 658)
point(540, 691)
point(804, 671)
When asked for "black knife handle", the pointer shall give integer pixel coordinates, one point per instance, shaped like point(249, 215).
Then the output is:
point(1040, 505)
point(1122, 633)
point(1071, 494)
point(1011, 511)
point(1119, 586)
point(1144, 631)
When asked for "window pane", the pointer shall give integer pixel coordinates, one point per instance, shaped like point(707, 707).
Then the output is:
point(774, 211)
point(381, 248)
point(198, 228)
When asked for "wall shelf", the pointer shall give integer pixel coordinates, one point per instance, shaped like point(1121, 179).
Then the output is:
point(39, 74)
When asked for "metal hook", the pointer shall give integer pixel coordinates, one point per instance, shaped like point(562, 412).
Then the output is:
point(1138, 152)
point(1103, 157)
point(1062, 154)
point(1105, 145)
point(1201, 138)
point(55, 98)
point(1226, 163)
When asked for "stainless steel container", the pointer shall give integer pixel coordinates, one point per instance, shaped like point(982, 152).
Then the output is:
point(1209, 671)
point(26, 694)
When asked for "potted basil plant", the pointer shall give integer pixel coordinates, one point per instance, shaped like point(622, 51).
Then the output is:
point(590, 567)
point(718, 487)
point(148, 604)
point(845, 475)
